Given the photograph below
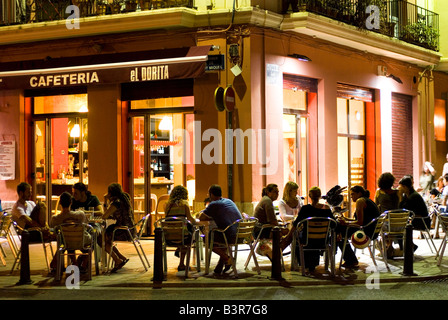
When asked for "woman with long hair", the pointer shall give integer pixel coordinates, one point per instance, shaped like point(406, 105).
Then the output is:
point(178, 206)
point(290, 204)
point(118, 206)
point(386, 198)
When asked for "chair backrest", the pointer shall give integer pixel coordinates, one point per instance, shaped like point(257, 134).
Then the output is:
point(316, 230)
point(161, 202)
point(378, 222)
point(245, 230)
point(141, 226)
point(73, 235)
point(153, 202)
point(174, 230)
point(397, 220)
point(6, 222)
point(443, 220)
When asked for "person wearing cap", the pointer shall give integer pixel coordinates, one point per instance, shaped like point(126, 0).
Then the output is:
point(366, 210)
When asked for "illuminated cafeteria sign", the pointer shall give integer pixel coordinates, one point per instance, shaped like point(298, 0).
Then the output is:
point(64, 79)
point(52, 74)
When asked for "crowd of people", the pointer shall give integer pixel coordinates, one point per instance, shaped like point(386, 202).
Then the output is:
point(223, 212)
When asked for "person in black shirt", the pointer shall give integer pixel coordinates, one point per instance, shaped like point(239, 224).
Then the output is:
point(84, 199)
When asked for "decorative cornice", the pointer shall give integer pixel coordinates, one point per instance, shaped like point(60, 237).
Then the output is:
point(183, 18)
point(334, 31)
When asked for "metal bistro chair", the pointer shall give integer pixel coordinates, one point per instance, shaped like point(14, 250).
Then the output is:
point(139, 228)
point(244, 235)
point(394, 227)
point(44, 242)
point(160, 208)
point(317, 235)
point(374, 237)
point(425, 233)
point(175, 233)
point(6, 232)
point(262, 233)
point(74, 237)
point(443, 221)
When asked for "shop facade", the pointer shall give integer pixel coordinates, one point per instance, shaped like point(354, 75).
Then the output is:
point(143, 109)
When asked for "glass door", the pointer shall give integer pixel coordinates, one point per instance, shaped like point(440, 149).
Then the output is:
point(161, 158)
point(351, 143)
point(60, 157)
point(295, 151)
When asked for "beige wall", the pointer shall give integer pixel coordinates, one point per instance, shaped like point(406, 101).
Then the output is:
point(105, 157)
point(12, 128)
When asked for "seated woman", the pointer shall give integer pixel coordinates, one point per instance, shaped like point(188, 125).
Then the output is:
point(414, 202)
point(386, 198)
point(264, 211)
point(366, 210)
point(117, 206)
point(290, 204)
point(315, 209)
point(177, 206)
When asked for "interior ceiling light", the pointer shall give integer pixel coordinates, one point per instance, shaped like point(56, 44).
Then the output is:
point(166, 124)
point(299, 57)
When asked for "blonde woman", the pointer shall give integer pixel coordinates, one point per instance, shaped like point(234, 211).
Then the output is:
point(177, 206)
point(290, 204)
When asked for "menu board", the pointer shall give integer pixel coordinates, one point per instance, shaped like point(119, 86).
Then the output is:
point(7, 160)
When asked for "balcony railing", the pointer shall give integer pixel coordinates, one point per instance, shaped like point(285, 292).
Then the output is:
point(22, 12)
point(397, 18)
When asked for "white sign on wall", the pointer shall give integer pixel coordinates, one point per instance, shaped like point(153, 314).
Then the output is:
point(7, 160)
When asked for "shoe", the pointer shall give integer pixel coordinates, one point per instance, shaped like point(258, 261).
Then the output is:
point(219, 266)
point(353, 265)
point(119, 266)
point(177, 253)
point(183, 268)
point(228, 265)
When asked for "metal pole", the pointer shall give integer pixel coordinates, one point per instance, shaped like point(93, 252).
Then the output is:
point(25, 259)
point(276, 270)
point(408, 266)
point(158, 259)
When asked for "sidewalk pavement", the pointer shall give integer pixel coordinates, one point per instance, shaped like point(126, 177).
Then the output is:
point(134, 275)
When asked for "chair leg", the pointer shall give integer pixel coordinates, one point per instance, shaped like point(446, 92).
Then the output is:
point(441, 251)
point(235, 271)
point(187, 265)
point(252, 253)
point(302, 260)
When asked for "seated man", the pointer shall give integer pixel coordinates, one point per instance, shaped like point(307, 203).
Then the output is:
point(224, 212)
point(29, 215)
point(66, 216)
point(84, 199)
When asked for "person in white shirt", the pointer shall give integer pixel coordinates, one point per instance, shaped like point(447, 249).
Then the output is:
point(444, 195)
point(445, 167)
point(29, 215)
point(290, 204)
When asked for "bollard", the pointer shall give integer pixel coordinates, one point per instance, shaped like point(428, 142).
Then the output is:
point(408, 266)
point(276, 270)
point(158, 259)
point(25, 259)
